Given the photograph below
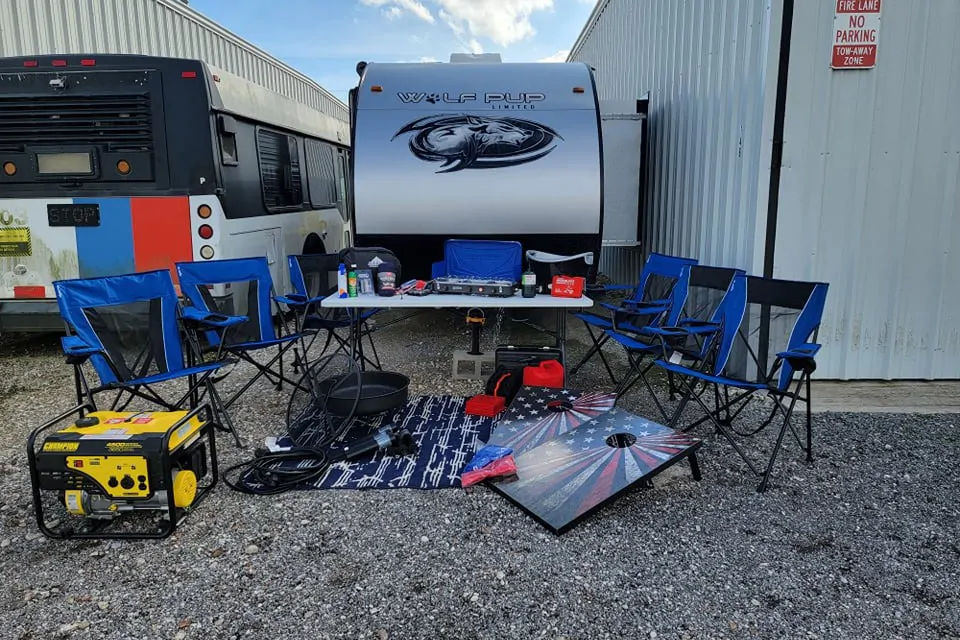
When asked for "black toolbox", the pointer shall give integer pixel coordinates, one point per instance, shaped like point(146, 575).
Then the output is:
point(511, 356)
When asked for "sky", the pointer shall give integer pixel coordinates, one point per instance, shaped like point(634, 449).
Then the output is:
point(326, 38)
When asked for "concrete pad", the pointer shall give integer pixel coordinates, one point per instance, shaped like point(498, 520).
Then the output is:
point(876, 396)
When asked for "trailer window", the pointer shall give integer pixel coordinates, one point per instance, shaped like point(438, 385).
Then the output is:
point(321, 174)
point(280, 174)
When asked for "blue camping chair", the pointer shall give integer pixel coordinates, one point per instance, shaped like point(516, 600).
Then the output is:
point(697, 301)
point(765, 341)
point(251, 294)
point(314, 277)
point(128, 328)
point(658, 278)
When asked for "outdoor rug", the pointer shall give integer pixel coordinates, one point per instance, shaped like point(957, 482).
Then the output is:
point(446, 440)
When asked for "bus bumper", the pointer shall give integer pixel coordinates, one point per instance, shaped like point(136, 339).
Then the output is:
point(30, 316)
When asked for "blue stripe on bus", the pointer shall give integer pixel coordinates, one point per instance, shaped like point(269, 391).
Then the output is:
point(106, 250)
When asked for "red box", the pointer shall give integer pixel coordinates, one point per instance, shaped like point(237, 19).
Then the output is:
point(568, 287)
point(484, 405)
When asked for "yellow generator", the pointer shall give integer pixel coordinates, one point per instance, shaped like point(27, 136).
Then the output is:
point(109, 463)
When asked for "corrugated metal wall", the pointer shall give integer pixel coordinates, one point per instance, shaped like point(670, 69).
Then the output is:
point(704, 63)
point(150, 27)
point(869, 196)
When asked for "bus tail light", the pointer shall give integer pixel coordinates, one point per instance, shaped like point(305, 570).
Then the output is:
point(204, 211)
point(206, 252)
point(31, 63)
point(188, 74)
point(205, 231)
point(9, 168)
point(123, 167)
point(59, 63)
point(88, 63)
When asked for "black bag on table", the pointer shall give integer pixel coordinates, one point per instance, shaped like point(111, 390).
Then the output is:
point(370, 258)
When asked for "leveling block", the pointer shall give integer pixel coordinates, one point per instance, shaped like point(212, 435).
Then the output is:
point(107, 464)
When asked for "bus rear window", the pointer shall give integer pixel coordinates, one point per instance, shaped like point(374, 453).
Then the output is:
point(64, 164)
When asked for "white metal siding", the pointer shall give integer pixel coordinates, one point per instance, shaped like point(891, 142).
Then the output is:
point(705, 65)
point(869, 196)
point(150, 27)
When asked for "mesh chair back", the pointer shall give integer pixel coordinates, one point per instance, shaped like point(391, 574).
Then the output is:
point(133, 319)
point(659, 277)
point(249, 293)
point(314, 275)
point(707, 300)
point(779, 315)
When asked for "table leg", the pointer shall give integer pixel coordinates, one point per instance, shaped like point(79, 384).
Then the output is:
point(561, 338)
point(356, 328)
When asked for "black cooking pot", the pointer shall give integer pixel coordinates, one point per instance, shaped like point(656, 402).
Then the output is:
point(380, 392)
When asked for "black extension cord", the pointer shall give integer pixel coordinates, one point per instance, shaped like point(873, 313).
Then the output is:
point(260, 477)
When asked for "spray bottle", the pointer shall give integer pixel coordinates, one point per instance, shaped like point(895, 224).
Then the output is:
point(342, 281)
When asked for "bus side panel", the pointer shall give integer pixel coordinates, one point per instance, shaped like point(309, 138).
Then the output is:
point(161, 233)
point(107, 250)
point(51, 253)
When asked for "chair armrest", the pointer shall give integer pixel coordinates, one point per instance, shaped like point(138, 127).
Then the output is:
point(655, 303)
point(604, 288)
point(691, 329)
point(211, 319)
point(805, 351)
point(641, 309)
point(297, 300)
point(75, 346)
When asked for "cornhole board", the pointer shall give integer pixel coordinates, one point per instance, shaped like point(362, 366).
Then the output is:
point(538, 414)
point(567, 478)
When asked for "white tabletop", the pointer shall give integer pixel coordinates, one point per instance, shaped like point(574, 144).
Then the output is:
point(455, 301)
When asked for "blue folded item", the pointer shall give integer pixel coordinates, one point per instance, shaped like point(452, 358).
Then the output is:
point(481, 259)
point(485, 456)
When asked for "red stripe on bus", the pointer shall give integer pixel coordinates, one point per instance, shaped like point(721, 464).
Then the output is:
point(161, 233)
point(32, 292)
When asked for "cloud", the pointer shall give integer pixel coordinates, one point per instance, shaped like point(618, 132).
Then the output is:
point(502, 21)
point(393, 8)
point(559, 56)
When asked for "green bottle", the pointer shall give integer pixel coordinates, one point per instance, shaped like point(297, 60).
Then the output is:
point(352, 281)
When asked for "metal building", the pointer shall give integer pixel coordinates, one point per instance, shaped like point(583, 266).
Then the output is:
point(812, 139)
point(151, 27)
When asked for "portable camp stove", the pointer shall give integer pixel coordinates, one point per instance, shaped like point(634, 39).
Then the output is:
point(107, 464)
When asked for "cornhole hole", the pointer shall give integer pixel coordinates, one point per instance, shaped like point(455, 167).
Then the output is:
point(567, 478)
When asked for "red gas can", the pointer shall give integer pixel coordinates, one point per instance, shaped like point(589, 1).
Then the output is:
point(548, 373)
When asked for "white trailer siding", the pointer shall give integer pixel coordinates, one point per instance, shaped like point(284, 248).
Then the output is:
point(704, 64)
point(868, 197)
point(151, 27)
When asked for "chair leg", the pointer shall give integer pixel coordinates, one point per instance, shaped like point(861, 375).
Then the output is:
point(221, 412)
point(776, 448)
point(809, 400)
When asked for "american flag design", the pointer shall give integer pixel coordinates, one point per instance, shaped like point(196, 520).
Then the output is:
point(564, 479)
point(538, 414)
point(446, 439)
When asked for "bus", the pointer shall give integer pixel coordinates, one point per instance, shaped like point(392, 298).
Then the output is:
point(113, 164)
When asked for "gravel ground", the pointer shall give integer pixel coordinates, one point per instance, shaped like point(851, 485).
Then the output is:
point(863, 543)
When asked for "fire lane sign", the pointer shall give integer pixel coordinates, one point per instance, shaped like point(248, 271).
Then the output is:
point(856, 32)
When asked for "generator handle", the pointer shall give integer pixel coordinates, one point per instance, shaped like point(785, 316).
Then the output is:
point(31, 441)
point(203, 406)
point(32, 461)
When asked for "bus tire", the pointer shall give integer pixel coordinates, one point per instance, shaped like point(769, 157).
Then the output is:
point(313, 243)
